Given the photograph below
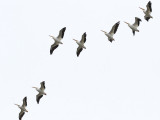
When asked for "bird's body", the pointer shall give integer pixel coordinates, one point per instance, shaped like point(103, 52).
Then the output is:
point(81, 44)
point(148, 11)
point(134, 26)
point(23, 108)
point(40, 91)
point(110, 37)
point(57, 40)
point(112, 32)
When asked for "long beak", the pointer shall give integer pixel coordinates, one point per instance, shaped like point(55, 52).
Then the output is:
point(103, 31)
point(141, 8)
point(50, 36)
point(74, 40)
point(126, 22)
point(16, 104)
point(34, 87)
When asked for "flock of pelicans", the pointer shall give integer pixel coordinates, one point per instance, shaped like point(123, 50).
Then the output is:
point(38, 97)
point(81, 46)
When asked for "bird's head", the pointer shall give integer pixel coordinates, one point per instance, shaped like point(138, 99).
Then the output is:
point(26, 110)
point(60, 42)
point(142, 8)
point(75, 40)
point(103, 31)
point(35, 87)
point(16, 104)
point(126, 23)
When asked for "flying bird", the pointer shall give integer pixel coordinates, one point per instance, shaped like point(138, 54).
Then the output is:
point(57, 40)
point(112, 32)
point(41, 91)
point(81, 44)
point(135, 25)
point(23, 108)
point(148, 11)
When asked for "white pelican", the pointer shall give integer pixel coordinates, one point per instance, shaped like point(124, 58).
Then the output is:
point(148, 11)
point(135, 25)
point(57, 40)
point(41, 91)
point(81, 44)
point(112, 32)
point(23, 108)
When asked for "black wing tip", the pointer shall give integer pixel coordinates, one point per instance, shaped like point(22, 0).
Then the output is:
point(149, 2)
point(25, 99)
point(79, 51)
point(37, 101)
point(43, 82)
point(51, 52)
point(138, 18)
point(52, 49)
point(64, 29)
point(78, 54)
point(110, 40)
point(20, 116)
point(150, 5)
point(118, 22)
point(147, 19)
point(133, 33)
point(116, 26)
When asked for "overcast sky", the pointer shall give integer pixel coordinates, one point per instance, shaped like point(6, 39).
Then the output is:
point(108, 81)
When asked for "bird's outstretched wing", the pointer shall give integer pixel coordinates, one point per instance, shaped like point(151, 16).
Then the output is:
point(38, 97)
point(133, 32)
point(149, 7)
point(146, 18)
point(24, 102)
point(61, 33)
point(114, 28)
point(53, 47)
point(42, 85)
point(21, 115)
point(79, 49)
point(83, 39)
point(137, 22)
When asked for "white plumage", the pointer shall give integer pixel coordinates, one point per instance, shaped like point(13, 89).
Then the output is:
point(148, 11)
point(134, 26)
point(41, 91)
point(57, 40)
point(81, 44)
point(23, 108)
point(112, 32)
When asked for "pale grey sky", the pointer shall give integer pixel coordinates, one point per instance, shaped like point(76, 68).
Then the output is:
point(109, 81)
